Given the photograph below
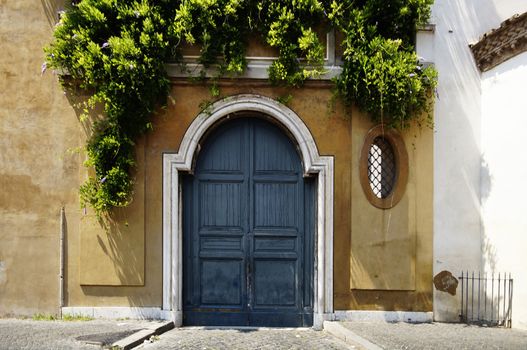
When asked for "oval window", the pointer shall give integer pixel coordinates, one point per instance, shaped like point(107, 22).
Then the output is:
point(383, 167)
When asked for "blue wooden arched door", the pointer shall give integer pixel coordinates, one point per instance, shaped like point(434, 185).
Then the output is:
point(248, 230)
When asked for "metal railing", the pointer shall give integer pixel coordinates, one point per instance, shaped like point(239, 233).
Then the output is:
point(486, 300)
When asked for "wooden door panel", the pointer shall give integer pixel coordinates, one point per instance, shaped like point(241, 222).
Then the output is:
point(275, 283)
point(272, 151)
point(220, 243)
point(221, 282)
point(273, 244)
point(220, 205)
point(227, 155)
point(274, 207)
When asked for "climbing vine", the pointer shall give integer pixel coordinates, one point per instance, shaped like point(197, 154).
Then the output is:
point(117, 51)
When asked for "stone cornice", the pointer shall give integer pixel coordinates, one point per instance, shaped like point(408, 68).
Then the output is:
point(502, 43)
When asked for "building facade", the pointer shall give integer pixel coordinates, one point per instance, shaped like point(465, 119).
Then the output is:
point(251, 204)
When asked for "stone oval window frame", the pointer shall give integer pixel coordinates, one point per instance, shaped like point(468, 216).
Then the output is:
point(401, 164)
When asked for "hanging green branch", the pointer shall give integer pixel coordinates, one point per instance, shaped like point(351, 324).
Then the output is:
point(118, 49)
point(381, 72)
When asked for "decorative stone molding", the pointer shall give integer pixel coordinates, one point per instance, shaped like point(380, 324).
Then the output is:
point(257, 66)
point(313, 163)
point(502, 43)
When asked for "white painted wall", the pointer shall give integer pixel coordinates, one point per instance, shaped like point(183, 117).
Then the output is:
point(504, 179)
point(458, 148)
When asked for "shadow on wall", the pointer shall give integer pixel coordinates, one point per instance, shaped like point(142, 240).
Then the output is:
point(503, 204)
point(120, 242)
point(122, 258)
point(489, 257)
point(462, 110)
point(458, 227)
point(51, 10)
point(127, 263)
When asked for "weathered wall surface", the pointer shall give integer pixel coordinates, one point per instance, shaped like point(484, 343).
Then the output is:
point(391, 249)
point(338, 132)
point(122, 266)
point(459, 165)
point(457, 154)
point(40, 172)
point(38, 175)
point(502, 192)
point(331, 129)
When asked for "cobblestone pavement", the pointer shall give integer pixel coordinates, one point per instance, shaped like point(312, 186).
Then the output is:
point(42, 335)
point(426, 336)
point(28, 334)
point(198, 338)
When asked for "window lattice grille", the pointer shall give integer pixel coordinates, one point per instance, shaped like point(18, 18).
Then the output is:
point(381, 167)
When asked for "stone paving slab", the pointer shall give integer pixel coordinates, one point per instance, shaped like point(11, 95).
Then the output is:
point(62, 335)
point(444, 336)
point(138, 338)
point(200, 338)
point(338, 330)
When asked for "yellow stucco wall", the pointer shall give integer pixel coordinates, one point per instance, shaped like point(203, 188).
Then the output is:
point(391, 249)
point(382, 257)
point(39, 175)
point(330, 127)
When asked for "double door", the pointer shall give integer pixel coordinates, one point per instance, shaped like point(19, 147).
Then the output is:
point(248, 230)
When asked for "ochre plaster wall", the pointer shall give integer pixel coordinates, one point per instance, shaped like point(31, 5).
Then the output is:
point(122, 240)
point(382, 258)
point(330, 124)
point(38, 175)
point(391, 249)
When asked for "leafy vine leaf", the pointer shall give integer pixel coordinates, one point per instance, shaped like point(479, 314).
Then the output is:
point(117, 50)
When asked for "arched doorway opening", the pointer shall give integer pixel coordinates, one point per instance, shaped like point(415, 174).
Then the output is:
point(312, 163)
point(248, 224)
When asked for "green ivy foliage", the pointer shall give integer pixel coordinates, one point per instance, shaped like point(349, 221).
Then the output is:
point(117, 50)
point(381, 71)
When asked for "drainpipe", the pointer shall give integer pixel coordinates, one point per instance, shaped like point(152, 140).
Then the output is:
point(61, 254)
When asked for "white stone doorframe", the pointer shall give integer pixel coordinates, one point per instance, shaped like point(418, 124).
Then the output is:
point(313, 163)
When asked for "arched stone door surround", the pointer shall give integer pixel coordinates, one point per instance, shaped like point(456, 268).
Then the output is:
point(312, 163)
